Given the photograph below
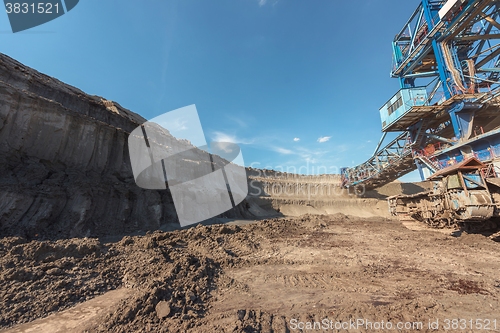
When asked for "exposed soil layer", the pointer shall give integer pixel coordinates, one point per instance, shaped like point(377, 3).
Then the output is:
point(47, 191)
point(65, 167)
point(267, 276)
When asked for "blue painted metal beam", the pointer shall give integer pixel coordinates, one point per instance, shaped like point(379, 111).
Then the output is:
point(462, 54)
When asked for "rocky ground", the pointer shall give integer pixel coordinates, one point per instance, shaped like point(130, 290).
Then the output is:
point(275, 275)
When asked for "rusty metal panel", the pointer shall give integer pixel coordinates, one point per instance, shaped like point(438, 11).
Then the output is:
point(453, 182)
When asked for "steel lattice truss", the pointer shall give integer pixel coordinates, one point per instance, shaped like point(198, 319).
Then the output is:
point(455, 53)
point(393, 160)
point(460, 52)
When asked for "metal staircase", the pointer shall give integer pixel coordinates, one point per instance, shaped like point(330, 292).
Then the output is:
point(431, 164)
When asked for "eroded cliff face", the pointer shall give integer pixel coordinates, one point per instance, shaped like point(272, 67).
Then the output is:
point(65, 169)
point(64, 163)
point(294, 195)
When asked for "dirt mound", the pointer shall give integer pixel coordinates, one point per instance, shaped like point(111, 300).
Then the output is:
point(267, 276)
point(396, 188)
point(38, 278)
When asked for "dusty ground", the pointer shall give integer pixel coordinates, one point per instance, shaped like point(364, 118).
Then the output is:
point(269, 276)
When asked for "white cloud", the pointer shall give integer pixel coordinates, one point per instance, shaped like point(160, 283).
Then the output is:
point(262, 2)
point(324, 139)
point(283, 151)
point(296, 139)
point(179, 125)
point(227, 146)
point(223, 141)
point(224, 137)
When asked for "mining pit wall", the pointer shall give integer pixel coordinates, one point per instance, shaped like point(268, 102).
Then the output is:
point(294, 195)
point(65, 169)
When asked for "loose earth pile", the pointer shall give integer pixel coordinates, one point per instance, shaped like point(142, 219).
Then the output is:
point(267, 276)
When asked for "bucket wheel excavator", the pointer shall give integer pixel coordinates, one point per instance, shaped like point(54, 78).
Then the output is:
point(445, 119)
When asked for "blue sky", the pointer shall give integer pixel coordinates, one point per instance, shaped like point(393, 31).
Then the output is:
point(297, 84)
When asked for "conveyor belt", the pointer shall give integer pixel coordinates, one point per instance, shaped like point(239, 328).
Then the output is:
point(385, 166)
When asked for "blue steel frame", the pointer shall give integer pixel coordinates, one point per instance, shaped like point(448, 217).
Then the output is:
point(458, 54)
